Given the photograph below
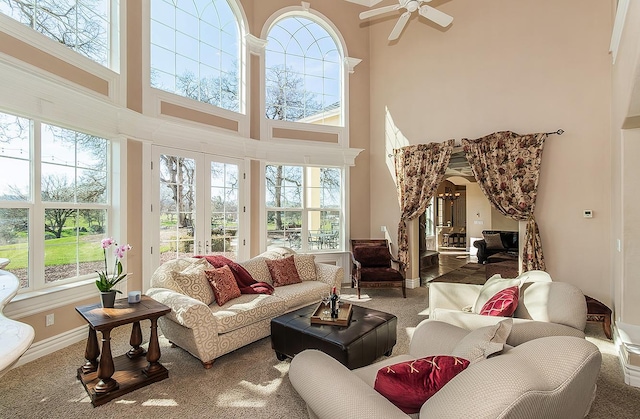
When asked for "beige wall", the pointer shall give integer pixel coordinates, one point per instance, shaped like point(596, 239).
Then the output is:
point(477, 204)
point(525, 66)
point(625, 149)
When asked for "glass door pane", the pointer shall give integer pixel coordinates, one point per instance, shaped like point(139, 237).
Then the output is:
point(224, 210)
point(177, 207)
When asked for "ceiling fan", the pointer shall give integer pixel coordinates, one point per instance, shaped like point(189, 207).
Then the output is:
point(411, 6)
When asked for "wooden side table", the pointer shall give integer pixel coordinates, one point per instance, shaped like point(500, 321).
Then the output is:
point(600, 313)
point(110, 378)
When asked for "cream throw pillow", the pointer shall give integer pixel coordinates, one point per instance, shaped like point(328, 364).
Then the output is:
point(481, 343)
point(193, 282)
point(490, 288)
point(306, 267)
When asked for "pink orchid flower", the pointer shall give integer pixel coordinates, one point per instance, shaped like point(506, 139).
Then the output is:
point(107, 242)
point(120, 250)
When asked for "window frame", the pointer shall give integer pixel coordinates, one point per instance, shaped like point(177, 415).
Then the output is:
point(48, 45)
point(154, 98)
point(40, 295)
point(305, 208)
point(272, 130)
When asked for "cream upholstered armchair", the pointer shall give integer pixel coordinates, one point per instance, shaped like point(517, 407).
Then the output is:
point(552, 378)
point(545, 308)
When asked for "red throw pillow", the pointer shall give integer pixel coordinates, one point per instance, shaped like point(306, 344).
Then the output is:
point(283, 271)
point(503, 303)
point(409, 384)
point(223, 284)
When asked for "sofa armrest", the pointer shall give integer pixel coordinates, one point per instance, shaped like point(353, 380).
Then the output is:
point(330, 274)
point(332, 391)
point(185, 311)
point(452, 296)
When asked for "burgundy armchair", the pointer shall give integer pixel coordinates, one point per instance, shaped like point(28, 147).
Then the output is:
point(372, 266)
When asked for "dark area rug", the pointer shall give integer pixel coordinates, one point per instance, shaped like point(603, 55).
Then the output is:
point(471, 273)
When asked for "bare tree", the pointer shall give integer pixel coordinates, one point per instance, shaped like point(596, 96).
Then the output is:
point(178, 174)
point(71, 23)
point(219, 91)
point(286, 99)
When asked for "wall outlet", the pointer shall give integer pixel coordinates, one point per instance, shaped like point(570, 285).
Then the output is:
point(49, 320)
point(587, 213)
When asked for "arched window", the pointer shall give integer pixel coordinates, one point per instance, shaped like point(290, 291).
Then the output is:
point(195, 50)
point(303, 71)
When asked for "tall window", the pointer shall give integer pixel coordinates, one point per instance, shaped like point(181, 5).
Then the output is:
point(303, 73)
point(195, 50)
point(304, 207)
point(86, 26)
point(54, 204)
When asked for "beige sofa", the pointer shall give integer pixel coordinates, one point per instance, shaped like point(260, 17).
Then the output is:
point(208, 331)
point(550, 377)
point(545, 308)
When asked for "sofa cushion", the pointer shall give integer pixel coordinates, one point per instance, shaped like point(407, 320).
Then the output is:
point(491, 287)
point(306, 267)
point(223, 284)
point(503, 303)
point(302, 294)
point(372, 256)
point(246, 310)
point(192, 281)
point(283, 271)
point(258, 269)
point(483, 342)
point(409, 384)
point(493, 240)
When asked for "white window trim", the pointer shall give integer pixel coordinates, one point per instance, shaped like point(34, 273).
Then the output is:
point(26, 34)
point(63, 294)
point(344, 208)
point(152, 97)
point(267, 125)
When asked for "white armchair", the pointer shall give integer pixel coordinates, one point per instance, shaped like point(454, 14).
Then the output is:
point(545, 308)
point(552, 377)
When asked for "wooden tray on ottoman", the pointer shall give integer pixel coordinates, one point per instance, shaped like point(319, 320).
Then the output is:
point(344, 316)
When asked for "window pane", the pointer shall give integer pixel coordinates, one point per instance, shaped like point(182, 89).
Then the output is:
point(14, 158)
point(284, 229)
point(302, 65)
point(224, 209)
point(284, 186)
point(71, 244)
point(177, 207)
point(14, 242)
point(82, 25)
point(324, 229)
point(203, 59)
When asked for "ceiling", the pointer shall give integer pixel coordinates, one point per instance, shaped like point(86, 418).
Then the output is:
point(365, 2)
point(459, 166)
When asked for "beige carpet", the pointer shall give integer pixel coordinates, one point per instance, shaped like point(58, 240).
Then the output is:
point(248, 383)
point(471, 273)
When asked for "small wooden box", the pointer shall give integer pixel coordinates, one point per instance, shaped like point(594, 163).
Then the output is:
point(344, 316)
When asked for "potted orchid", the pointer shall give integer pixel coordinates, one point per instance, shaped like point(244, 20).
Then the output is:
point(107, 281)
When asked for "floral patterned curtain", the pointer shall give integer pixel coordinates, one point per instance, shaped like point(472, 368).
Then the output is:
point(507, 167)
point(419, 170)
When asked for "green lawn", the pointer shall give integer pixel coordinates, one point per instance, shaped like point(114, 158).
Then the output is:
point(60, 251)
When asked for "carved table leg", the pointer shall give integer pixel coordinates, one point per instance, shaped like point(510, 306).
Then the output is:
point(106, 367)
point(153, 353)
point(135, 341)
point(91, 353)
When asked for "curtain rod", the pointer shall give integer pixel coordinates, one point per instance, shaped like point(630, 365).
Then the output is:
point(558, 132)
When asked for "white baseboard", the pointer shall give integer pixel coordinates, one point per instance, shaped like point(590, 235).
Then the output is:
point(412, 283)
point(52, 344)
point(625, 337)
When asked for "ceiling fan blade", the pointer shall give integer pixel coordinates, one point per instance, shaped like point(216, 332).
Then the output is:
point(397, 30)
point(435, 15)
point(375, 12)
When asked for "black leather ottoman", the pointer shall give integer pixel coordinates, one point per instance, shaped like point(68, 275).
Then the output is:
point(370, 335)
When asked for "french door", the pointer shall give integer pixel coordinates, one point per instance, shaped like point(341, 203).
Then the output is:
point(196, 205)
